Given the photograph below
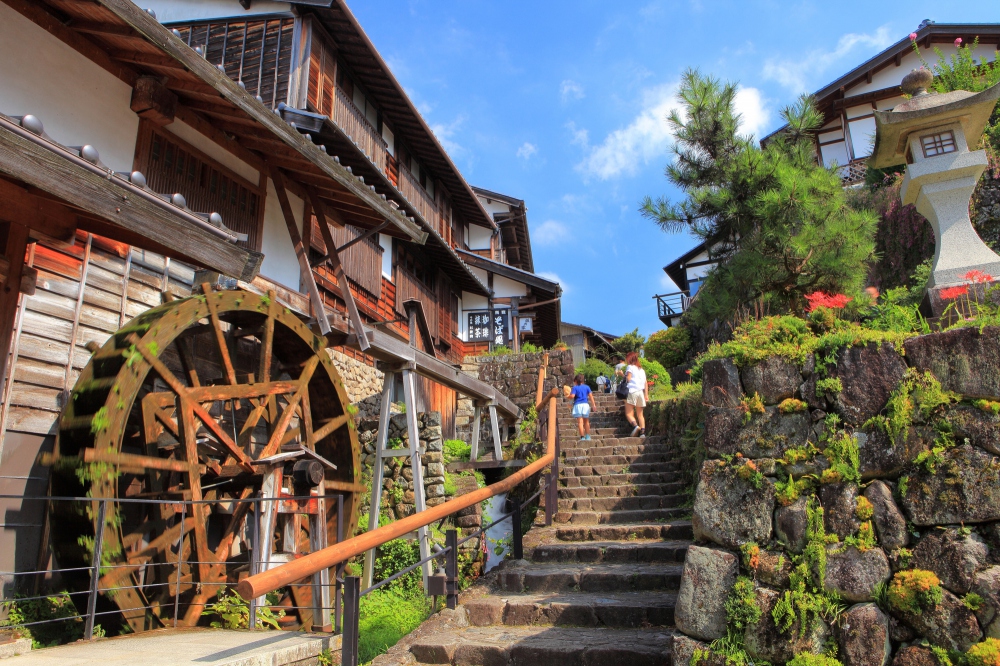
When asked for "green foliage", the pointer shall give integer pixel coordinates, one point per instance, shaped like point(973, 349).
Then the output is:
point(779, 220)
point(973, 601)
point(630, 342)
point(881, 596)
point(791, 405)
point(988, 406)
point(386, 616)
point(669, 347)
point(729, 647)
point(845, 459)
point(787, 492)
point(528, 348)
point(829, 386)
point(863, 509)
point(592, 368)
point(455, 450)
point(55, 607)
point(807, 659)
point(741, 606)
point(450, 489)
point(499, 350)
point(914, 590)
point(234, 613)
point(655, 372)
point(394, 556)
point(986, 653)
point(865, 539)
point(748, 472)
point(325, 658)
point(751, 405)
point(916, 399)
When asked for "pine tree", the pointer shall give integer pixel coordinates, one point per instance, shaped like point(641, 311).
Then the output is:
point(776, 219)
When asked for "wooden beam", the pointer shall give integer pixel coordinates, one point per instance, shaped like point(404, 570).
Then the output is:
point(301, 253)
point(148, 59)
point(118, 205)
point(222, 139)
point(14, 242)
point(96, 28)
point(48, 218)
point(338, 270)
point(153, 101)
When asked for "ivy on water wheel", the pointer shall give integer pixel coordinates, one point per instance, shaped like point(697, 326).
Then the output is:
point(178, 405)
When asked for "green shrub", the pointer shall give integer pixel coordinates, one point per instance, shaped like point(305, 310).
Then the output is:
point(234, 613)
point(986, 653)
point(670, 346)
point(630, 342)
point(388, 615)
point(592, 368)
point(394, 556)
point(54, 607)
point(806, 659)
point(914, 590)
point(655, 372)
point(455, 450)
point(741, 606)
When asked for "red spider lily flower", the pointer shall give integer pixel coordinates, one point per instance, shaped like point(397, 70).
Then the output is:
point(819, 299)
point(954, 292)
point(688, 372)
point(978, 277)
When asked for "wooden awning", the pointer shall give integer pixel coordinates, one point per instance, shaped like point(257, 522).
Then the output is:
point(52, 190)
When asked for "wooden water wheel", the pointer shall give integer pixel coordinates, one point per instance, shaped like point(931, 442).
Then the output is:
point(181, 404)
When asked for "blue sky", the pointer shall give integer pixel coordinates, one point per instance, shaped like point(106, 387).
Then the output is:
point(562, 104)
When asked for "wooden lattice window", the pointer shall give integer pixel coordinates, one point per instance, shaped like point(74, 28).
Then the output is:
point(172, 165)
point(938, 144)
point(257, 52)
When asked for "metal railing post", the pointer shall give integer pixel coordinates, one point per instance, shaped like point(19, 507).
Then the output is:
point(517, 544)
point(451, 568)
point(180, 558)
point(95, 574)
point(352, 610)
point(254, 557)
point(339, 570)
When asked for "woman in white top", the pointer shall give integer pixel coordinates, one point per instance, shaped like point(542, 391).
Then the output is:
point(638, 394)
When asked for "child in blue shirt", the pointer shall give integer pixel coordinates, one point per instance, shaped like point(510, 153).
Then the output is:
point(583, 401)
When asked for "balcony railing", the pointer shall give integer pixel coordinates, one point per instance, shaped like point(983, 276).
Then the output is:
point(359, 130)
point(418, 197)
point(671, 306)
point(853, 173)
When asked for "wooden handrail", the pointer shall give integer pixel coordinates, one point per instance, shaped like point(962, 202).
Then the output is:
point(285, 574)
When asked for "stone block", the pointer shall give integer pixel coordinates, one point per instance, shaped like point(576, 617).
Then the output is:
point(767, 435)
point(840, 501)
point(964, 360)
point(869, 375)
point(729, 510)
point(774, 379)
point(854, 574)
point(720, 383)
point(948, 624)
point(790, 524)
point(882, 457)
point(956, 559)
point(766, 641)
point(708, 576)
point(683, 649)
point(773, 568)
point(963, 488)
point(980, 428)
point(863, 636)
point(987, 585)
point(436, 490)
point(469, 521)
point(435, 469)
point(890, 524)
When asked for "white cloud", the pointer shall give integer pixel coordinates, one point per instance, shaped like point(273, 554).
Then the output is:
point(580, 136)
point(552, 277)
point(445, 133)
point(800, 74)
point(527, 150)
point(570, 89)
point(550, 232)
point(648, 136)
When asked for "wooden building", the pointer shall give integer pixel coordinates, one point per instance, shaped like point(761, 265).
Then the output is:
point(281, 121)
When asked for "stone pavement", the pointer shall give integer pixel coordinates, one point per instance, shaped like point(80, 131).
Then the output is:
point(598, 587)
point(173, 647)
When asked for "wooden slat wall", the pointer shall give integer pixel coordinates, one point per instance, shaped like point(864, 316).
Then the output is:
point(56, 322)
point(408, 288)
point(362, 261)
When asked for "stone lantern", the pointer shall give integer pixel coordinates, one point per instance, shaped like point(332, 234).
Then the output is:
point(936, 136)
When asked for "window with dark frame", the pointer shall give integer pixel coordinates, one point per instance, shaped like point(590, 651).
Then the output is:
point(938, 144)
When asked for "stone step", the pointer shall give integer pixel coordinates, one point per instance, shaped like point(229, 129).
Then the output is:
point(530, 646)
point(521, 576)
point(594, 480)
point(625, 609)
point(675, 530)
point(625, 490)
point(624, 446)
point(619, 517)
point(633, 468)
point(619, 460)
point(641, 502)
point(611, 552)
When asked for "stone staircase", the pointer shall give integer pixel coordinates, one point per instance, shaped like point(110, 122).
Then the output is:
point(599, 586)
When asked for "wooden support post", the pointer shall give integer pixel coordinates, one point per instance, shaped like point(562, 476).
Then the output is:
point(409, 393)
point(301, 253)
point(15, 242)
point(495, 425)
point(477, 423)
point(378, 473)
point(333, 256)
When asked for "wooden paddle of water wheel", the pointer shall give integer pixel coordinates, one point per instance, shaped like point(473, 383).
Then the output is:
point(215, 398)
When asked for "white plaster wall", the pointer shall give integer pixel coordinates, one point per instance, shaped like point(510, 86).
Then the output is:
point(481, 274)
point(479, 237)
point(280, 263)
point(386, 243)
point(888, 104)
point(862, 136)
point(184, 131)
point(494, 206)
point(831, 136)
point(505, 287)
point(835, 152)
point(892, 75)
point(168, 11)
point(863, 110)
point(78, 101)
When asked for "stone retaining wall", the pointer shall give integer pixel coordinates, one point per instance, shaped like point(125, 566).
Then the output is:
point(843, 508)
point(362, 381)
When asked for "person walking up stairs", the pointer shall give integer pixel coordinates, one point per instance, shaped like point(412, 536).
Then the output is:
point(599, 586)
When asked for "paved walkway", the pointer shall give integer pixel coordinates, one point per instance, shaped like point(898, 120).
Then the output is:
point(174, 647)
